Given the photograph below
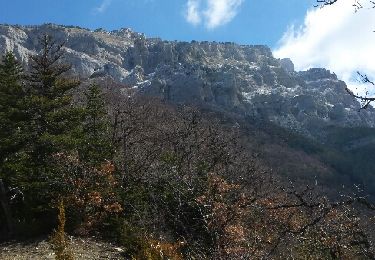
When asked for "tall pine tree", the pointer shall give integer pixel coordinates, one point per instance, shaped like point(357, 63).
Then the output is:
point(52, 120)
point(95, 146)
point(13, 117)
point(53, 117)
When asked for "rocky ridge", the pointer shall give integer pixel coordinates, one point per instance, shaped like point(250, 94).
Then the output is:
point(246, 80)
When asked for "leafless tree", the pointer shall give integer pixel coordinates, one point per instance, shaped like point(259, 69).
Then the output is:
point(189, 177)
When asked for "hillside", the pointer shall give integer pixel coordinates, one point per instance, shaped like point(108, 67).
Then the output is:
point(176, 150)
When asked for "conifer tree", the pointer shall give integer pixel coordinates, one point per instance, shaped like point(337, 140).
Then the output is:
point(12, 112)
point(53, 117)
point(95, 145)
point(52, 120)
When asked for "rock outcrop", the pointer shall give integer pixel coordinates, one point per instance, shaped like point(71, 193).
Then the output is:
point(246, 80)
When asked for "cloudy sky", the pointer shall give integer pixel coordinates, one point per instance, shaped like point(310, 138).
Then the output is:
point(335, 37)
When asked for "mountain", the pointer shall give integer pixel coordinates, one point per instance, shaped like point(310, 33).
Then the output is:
point(243, 79)
point(308, 122)
point(204, 171)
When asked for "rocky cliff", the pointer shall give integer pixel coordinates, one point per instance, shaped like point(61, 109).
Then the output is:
point(246, 80)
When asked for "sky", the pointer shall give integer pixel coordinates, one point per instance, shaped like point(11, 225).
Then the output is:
point(335, 37)
point(241, 21)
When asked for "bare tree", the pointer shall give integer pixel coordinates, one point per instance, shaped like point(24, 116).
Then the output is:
point(189, 177)
point(357, 4)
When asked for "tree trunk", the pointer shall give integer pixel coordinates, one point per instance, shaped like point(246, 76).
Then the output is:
point(5, 208)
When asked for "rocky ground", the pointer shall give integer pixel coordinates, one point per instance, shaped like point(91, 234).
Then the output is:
point(40, 250)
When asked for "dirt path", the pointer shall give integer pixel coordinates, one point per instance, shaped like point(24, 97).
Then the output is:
point(40, 250)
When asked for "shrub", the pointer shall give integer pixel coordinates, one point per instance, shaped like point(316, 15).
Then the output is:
point(59, 239)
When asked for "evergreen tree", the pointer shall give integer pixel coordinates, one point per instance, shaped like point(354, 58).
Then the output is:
point(53, 117)
point(13, 126)
point(52, 120)
point(95, 145)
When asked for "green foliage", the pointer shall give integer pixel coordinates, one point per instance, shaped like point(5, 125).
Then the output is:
point(38, 125)
point(129, 236)
point(50, 124)
point(12, 113)
point(95, 145)
point(52, 117)
point(37, 120)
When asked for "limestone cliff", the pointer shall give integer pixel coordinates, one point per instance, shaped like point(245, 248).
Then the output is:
point(242, 79)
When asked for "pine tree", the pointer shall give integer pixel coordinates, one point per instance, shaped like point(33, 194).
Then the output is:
point(13, 117)
point(52, 120)
point(95, 145)
point(53, 117)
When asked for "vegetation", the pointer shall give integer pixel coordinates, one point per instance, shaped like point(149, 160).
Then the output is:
point(95, 144)
point(165, 182)
point(59, 239)
point(12, 110)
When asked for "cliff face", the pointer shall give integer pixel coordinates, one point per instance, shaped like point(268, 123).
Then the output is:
point(246, 80)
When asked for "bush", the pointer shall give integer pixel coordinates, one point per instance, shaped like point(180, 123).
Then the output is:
point(59, 239)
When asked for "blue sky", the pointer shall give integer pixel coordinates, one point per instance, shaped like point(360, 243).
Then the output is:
point(241, 21)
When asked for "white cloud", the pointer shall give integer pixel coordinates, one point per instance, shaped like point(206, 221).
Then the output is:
point(334, 37)
point(220, 12)
point(102, 7)
point(211, 13)
point(193, 15)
